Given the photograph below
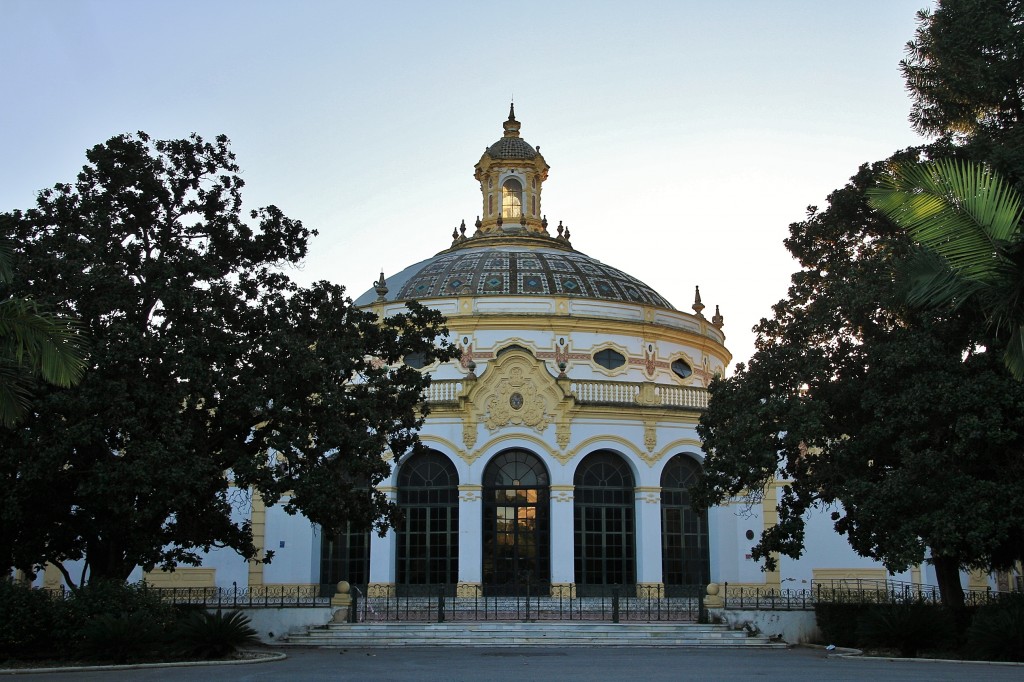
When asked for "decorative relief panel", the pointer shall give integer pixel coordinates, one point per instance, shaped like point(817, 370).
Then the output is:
point(516, 400)
point(650, 436)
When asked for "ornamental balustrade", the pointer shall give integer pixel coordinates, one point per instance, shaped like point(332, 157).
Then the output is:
point(598, 392)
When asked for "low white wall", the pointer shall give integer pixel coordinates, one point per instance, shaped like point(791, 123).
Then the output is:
point(273, 624)
point(794, 627)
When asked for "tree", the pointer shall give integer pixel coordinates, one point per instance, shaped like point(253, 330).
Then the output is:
point(965, 72)
point(901, 421)
point(34, 344)
point(211, 372)
point(969, 222)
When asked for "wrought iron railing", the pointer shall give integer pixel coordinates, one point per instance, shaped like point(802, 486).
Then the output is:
point(266, 596)
point(843, 590)
point(536, 602)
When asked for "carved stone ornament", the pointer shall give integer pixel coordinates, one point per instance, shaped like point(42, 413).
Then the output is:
point(469, 432)
point(512, 391)
point(650, 436)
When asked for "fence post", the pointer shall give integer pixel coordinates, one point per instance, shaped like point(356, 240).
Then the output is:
point(527, 598)
point(353, 613)
point(440, 604)
point(615, 604)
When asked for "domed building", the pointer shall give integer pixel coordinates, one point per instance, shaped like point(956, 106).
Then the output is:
point(560, 444)
point(562, 441)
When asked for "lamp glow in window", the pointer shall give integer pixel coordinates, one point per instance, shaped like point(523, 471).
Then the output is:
point(511, 199)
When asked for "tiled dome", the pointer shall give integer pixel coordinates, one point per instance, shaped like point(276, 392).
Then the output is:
point(511, 269)
point(511, 148)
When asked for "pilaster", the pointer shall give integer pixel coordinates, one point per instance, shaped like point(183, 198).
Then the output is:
point(648, 535)
point(563, 570)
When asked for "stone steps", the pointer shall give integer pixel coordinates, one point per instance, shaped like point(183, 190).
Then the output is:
point(511, 634)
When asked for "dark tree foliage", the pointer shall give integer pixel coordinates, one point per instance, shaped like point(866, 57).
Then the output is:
point(211, 373)
point(965, 72)
point(900, 421)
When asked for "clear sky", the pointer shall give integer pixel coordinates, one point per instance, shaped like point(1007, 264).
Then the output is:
point(684, 137)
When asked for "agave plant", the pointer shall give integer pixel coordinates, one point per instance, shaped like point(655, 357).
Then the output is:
point(969, 222)
point(214, 635)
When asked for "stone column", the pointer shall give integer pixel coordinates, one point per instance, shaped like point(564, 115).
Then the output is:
point(648, 540)
point(382, 557)
point(471, 515)
point(562, 541)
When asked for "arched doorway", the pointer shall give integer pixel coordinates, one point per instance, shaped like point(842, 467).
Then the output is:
point(603, 519)
point(428, 538)
point(684, 534)
point(516, 547)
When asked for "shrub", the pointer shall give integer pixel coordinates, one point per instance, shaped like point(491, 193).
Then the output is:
point(997, 631)
point(106, 601)
point(838, 622)
point(907, 627)
point(214, 635)
point(122, 638)
point(28, 618)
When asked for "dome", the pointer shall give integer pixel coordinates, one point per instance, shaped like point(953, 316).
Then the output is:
point(511, 148)
point(516, 266)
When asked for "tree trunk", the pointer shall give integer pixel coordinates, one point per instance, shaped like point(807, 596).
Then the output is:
point(107, 562)
point(947, 572)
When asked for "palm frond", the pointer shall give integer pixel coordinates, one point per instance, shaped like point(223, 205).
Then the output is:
point(15, 393)
point(44, 343)
point(926, 280)
point(960, 210)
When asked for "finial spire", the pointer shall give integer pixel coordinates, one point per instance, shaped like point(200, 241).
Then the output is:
point(511, 125)
point(717, 318)
point(381, 287)
point(697, 305)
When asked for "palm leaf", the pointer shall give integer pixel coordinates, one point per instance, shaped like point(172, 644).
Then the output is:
point(45, 343)
point(926, 280)
point(33, 344)
point(960, 210)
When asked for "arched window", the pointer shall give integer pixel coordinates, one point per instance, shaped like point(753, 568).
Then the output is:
point(684, 533)
point(511, 199)
point(428, 538)
point(603, 519)
point(516, 547)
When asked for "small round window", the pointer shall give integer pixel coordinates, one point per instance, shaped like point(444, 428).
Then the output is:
point(609, 359)
point(416, 360)
point(681, 369)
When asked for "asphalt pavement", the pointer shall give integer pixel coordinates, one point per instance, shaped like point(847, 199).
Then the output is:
point(444, 664)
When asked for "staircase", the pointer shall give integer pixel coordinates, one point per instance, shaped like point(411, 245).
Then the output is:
point(512, 634)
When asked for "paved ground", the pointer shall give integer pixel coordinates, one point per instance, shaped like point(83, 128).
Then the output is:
point(537, 664)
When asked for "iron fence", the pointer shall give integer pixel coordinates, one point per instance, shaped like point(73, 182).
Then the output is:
point(535, 602)
point(268, 596)
point(843, 590)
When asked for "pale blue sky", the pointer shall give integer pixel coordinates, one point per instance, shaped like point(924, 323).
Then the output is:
point(683, 136)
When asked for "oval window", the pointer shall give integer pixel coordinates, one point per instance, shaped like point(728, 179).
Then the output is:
point(609, 359)
point(416, 360)
point(681, 369)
